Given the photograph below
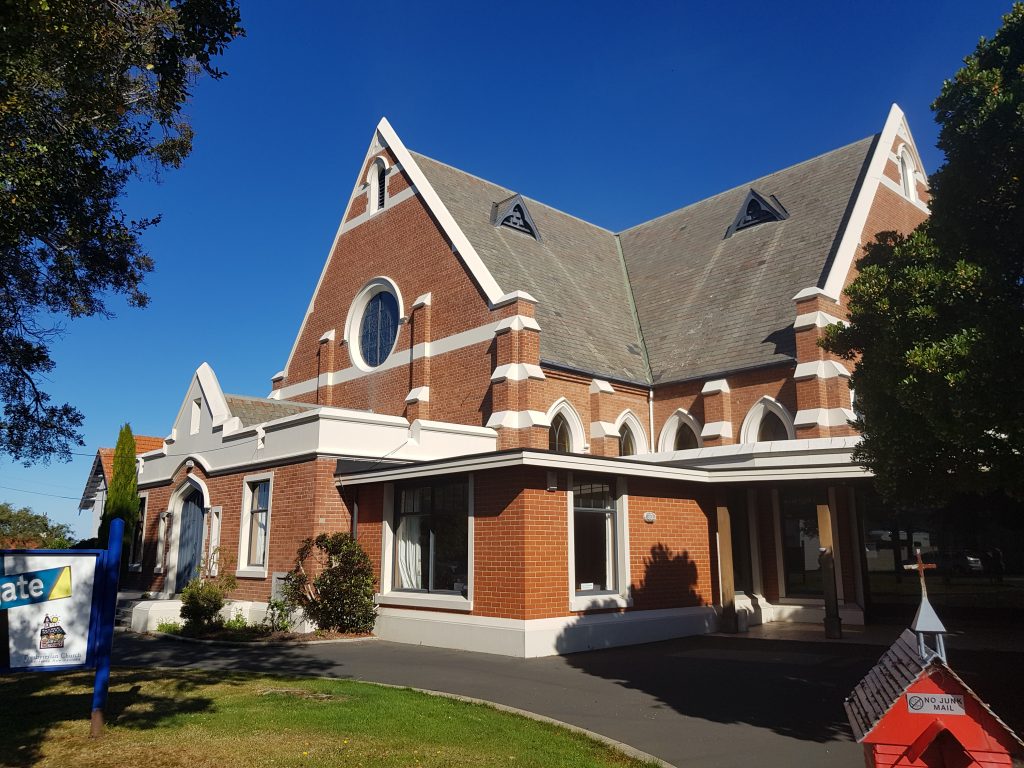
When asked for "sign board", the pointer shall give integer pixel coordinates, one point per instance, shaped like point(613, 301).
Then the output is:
point(49, 611)
point(935, 704)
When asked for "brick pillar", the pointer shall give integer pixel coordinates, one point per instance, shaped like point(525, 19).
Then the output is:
point(604, 437)
point(717, 399)
point(417, 402)
point(326, 354)
point(514, 399)
point(822, 379)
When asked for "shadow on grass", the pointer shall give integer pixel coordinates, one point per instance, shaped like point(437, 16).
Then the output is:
point(36, 703)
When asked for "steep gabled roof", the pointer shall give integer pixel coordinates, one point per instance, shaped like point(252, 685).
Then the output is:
point(709, 304)
point(103, 465)
point(575, 272)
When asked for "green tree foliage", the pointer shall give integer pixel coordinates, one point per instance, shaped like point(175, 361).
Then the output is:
point(91, 94)
point(937, 318)
point(24, 528)
point(123, 489)
point(339, 594)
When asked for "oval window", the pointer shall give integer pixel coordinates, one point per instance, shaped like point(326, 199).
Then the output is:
point(378, 328)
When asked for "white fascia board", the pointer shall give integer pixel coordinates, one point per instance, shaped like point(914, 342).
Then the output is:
point(820, 369)
point(518, 420)
point(850, 242)
point(715, 385)
point(212, 394)
point(423, 301)
point(717, 429)
point(826, 458)
point(418, 395)
point(514, 296)
point(600, 385)
point(458, 239)
point(517, 372)
point(603, 429)
point(825, 417)
point(816, 320)
point(516, 323)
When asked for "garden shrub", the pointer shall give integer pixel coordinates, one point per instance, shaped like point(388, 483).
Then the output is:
point(277, 618)
point(202, 601)
point(339, 594)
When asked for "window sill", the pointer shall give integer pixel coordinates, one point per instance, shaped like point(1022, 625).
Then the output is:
point(158, 569)
point(417, 600)
point(594, 602)
point(135, 568)
point(250, 573)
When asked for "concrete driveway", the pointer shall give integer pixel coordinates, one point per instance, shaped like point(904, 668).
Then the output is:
point(699, 701)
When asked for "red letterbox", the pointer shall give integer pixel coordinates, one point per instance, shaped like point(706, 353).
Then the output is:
point(912, 711)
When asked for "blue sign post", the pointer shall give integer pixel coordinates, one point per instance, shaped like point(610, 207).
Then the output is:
point(57, 612)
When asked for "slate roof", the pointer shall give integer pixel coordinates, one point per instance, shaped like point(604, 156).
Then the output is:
point(704, 304)
point(258, 410)
point(575, 272)
point(710, 304)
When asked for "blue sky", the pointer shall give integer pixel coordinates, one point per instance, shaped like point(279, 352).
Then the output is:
point(613, 115)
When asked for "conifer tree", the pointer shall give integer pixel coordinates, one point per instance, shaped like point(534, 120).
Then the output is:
point(123, 489)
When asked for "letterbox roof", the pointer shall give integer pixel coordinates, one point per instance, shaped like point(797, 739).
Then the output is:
point(898, 669)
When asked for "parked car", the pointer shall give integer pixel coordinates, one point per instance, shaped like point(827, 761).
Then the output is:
point(961, 562)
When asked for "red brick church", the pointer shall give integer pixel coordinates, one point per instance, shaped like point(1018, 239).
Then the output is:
point(546, 435)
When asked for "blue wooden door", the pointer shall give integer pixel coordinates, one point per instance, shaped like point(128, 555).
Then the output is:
point(190, 540)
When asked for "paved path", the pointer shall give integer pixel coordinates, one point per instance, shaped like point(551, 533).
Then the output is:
point(700, 701)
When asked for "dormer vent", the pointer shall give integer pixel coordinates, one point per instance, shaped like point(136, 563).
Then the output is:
point(513, 213)
point(757, 209)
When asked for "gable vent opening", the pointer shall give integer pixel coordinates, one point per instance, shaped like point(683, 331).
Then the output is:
point(757, 209)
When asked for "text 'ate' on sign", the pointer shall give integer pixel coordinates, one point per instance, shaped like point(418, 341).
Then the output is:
point(35, 587)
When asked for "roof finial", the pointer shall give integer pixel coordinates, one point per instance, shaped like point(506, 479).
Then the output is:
point(927, 621)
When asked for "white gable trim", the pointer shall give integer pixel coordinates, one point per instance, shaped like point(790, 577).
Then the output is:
point(465, 249)
point(895, 124)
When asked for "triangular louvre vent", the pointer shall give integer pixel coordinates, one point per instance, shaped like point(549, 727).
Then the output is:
point(512, 213)
point(757, 209)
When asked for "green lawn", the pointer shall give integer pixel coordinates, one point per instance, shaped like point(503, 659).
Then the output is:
point(192, 718)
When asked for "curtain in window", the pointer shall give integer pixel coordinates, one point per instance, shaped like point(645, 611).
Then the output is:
point(410, 552)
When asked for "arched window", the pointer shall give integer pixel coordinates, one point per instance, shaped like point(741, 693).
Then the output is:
point(907, 175)
point(686, 439)
point(382, 185)
point(560, 436)
point(771, 428)
point(627, 443)
point(767, 421)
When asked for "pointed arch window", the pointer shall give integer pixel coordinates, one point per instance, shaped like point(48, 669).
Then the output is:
point(907, 175)
point(771, 428)
point(382, 185)
point(686, 439)
point(560, 436)
point(627, 443)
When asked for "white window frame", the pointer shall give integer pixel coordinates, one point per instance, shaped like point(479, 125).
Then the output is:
point(135, 558)
point(161, 541)
point(752, 421)
point(680, 419)
point(577, 436)
point(628, 420)
point(244, 570)
point(621, 597)
point(354, 320)
point(908, 173)
point(373, 185)
point(388, 595)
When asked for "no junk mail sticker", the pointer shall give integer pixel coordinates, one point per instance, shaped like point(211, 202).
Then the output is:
point(935, 704)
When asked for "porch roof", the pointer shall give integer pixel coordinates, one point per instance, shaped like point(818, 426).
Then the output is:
point(818, 459)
